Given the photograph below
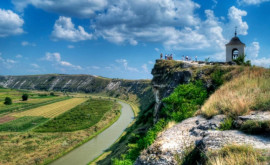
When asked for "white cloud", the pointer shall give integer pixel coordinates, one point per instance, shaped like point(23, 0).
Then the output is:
point(150, 62)
point(35, 66)
point(26, 43)
point(64, 29)
point(76, 8)
point(264, 62)
point(95, 67)
point(253, 50)
point(251, 2)
point(10, 23)
point(152, 21)
point(56, 58)
point(19, 56)
point(7, 63)
point(71, 46)
point(53, 57)
point(235, 17)
point(145, 69)
point(157, 49)
point(126, 66)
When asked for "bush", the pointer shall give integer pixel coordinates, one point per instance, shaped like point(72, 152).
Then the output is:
point(240, 60)
point(227, 124)
point(25, 97)
point(144, 142)
point(52, 94)
point(184, 101)
point(8, 101)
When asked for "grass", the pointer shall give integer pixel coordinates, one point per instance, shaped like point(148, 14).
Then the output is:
point(42, 148)
point(256, 127)
point(82, 116)
point(237, 155)
point(22, 124)
point(52, 110)
point(248, 91)
point(30, 104)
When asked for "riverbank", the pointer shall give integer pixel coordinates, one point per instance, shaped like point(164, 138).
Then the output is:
point(42, 148)
point(93, 148)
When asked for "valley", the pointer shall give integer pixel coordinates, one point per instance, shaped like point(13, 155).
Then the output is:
point(43, 130)
point(179, 117)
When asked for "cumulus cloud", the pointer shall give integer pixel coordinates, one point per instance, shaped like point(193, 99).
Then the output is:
point(126, 66)
point(251, 2)
point(172, 23)
point(56, 58)
point(10, 23)
point(152, 20)
point(264, 62)
point(235, 17)
point(26, 43)
point(253, 50)
point(74, 8)
point(64, 29)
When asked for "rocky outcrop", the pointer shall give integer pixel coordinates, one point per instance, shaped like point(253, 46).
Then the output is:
point(195, 132)
point(166, 78)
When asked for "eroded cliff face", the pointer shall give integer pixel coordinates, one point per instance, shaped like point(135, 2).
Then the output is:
point(167, 75)
point(123, 89)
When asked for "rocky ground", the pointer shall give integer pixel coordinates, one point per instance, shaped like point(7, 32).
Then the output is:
point(199, 131)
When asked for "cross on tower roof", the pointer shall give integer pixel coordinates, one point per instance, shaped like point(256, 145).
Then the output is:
point(235, 33)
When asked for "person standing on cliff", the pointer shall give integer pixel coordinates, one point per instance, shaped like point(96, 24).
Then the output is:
point(196, 58)
point(161, 55)
point(166, 57)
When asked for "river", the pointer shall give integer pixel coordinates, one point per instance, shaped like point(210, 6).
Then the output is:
point(96, 146)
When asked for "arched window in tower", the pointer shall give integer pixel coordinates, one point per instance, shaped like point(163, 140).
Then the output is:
point(235, 53)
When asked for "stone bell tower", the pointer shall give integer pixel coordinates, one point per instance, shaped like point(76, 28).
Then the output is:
point(234, 48)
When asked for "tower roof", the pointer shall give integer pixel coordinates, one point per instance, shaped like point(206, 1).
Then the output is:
point(235, 41)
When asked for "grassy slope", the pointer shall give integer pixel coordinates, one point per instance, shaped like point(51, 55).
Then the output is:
point(249, 91)
point(237, 155)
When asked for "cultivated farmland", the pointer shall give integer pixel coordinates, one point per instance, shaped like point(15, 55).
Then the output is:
point(52, 110)
point(81, 117)
point(22, 124)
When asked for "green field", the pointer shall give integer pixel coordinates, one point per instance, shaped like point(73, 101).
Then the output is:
point(36, 99)
point(22, 124)
point(83, 116)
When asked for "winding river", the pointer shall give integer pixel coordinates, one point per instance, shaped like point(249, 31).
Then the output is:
point(96, 146)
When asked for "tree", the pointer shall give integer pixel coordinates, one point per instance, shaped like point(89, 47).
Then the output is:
point(240, 60)
point(25, 97)
point(8, 101)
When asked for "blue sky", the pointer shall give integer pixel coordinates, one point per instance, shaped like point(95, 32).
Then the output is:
point(122, 39)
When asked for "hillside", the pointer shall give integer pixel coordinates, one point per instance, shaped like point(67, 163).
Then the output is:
point(213, 115)
point(135, 90)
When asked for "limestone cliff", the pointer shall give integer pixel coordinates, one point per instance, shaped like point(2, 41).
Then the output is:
point(168, 74)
